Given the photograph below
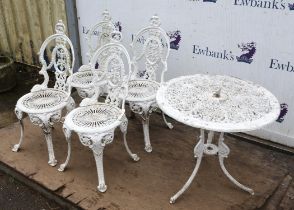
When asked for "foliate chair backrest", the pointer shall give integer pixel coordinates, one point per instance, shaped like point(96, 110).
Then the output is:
point(114, 61)
point(57, 53)
point(150, 48)
point(99, 34)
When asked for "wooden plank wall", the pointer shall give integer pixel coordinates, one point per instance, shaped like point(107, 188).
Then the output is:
point(25, 24)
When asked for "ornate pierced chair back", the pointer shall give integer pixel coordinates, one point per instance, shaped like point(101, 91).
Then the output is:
point(57, 54)
point(99, 34)
point(150, 47)
point(114, 62)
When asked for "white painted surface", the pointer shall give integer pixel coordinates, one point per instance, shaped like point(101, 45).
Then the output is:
point(218, 27)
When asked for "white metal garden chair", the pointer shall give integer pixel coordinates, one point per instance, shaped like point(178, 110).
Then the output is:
point(95, 122)
point(98, 36)
point(44, 105)
point(150, 47)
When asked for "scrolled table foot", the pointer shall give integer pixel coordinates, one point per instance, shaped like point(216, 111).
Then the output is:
point(102, 187)
point(15, 148)
point(135, 157)
point(52, 162)
point(172, 200)
point(148, 148)
point(168, 124)
point(61, 167)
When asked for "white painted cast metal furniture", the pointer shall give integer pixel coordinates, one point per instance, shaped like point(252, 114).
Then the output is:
point(44, 105)
point(95, 122)
point(150, 48)
point(98, 36)
point(218, 104)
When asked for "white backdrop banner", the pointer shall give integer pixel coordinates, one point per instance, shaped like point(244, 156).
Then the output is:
point(249, 39)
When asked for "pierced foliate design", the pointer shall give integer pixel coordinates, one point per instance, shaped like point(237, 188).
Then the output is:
point(155, 21)
point(116, 36)
point(62, 64)
point(107, 139)
point(114, 69)
point(96, 116)
point(219, 99)
point(142, 89)
point(86, 141)
point(151, 48)
point(102, 31)
point(62, 59)
point(115, 96)
point(60, 27)
point(44, 99)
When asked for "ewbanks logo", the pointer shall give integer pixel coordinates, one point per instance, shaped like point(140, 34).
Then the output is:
point(264, 4)
point(284, 111)
point(282, 66)
point(218, 54)
point(213, 1)
point(248, 51)
point(117, 25)
point(291, 6)
point(175, 38)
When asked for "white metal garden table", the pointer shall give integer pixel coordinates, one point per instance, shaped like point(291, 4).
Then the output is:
point(218, 104)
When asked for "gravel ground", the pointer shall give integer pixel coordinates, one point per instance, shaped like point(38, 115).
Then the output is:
point(16, 196)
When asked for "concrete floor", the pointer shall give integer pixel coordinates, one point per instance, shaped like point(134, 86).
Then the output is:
point(149, 183)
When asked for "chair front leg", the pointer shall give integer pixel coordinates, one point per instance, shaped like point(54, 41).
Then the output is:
point(124, 128)
point(48, 136)
point(145, 123)
point(19, 115)
point(46, 121)
point(97, 142)
point(98, 155)
point(67, 134)
point(144, 109)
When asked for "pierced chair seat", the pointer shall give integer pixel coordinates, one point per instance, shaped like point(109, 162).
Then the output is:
point(82, 81)
point(94, 118)
point(82, 78)
point(142, 90)
point(43, 101)
point(98, 36)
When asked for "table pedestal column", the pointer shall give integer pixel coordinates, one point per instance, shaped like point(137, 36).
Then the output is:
point(208, 148)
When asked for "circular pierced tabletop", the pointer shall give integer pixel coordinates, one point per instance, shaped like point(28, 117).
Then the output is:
point(218, 103)
point(142, 90)
point(42, 101)
point(93, 118)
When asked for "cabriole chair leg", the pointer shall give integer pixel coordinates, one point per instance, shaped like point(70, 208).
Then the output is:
point(19, 115)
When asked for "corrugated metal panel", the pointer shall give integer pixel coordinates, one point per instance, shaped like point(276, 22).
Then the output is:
point(25, 24)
